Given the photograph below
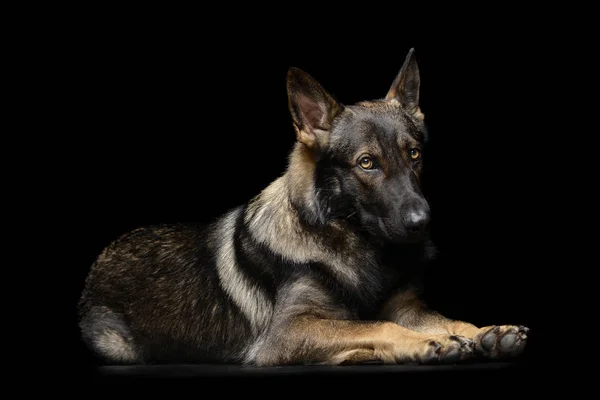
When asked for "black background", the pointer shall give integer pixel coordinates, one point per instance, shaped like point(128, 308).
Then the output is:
point(175, 119)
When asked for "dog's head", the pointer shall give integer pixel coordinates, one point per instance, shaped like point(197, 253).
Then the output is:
point(367, 157)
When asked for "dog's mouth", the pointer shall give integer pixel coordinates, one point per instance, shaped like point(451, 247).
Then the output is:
point(395, 232)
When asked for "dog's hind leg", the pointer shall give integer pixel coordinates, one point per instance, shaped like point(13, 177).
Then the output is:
point(107, 334)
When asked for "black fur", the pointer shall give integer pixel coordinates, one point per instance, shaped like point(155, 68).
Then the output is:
point(160, 291)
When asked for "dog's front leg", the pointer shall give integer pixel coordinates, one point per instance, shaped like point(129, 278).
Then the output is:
point(310, 326)
point(308, 339)
point(407, 309)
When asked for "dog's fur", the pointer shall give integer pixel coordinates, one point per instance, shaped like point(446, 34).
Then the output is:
point(321, 267)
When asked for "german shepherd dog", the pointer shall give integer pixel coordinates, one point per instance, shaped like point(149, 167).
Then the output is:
point(321, 267)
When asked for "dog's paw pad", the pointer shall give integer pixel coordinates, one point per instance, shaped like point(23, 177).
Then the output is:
point(451, 357)
point(502, 341)
point(488, 341)
point(508, 341)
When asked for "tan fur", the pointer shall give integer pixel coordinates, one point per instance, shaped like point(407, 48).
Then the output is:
point(299, 177)
point(250, 299)
point(323, 341)
point(273, 222)
point(391, 104)
point(383, 106)
point(112, 343)
point(407, 309)
point(168, 296)
point(305, 137)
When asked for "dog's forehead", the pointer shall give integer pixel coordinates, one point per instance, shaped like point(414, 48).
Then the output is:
point(382, 122)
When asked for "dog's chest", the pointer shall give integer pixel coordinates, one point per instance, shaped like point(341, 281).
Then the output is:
point(395, 270)
point(364, 292)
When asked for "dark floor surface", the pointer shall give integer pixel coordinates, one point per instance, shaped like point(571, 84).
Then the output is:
point(505, 377)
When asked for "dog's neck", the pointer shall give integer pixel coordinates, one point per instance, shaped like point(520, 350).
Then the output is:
point(284, 217)
point(277, 219)
point(292, 201)
point(286, 213)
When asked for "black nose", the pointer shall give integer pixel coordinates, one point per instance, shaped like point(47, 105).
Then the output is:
point(416, 221)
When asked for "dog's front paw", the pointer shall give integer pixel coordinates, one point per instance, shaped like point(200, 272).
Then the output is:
point(498, 342)
point(448, 350)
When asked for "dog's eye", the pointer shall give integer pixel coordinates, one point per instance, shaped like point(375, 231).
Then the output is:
point(366, 162)
point(415, 154)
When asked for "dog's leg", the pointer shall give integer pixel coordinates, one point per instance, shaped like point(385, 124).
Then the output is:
point(406, 309)
point(313, 340)
point(108, 335)
point(310, 326)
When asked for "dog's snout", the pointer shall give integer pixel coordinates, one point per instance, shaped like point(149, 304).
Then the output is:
point(416, 221)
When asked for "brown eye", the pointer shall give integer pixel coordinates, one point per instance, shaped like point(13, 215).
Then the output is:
point(415, 154)
point(366, 162)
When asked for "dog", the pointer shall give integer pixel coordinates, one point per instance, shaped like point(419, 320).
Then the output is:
point(321, 267)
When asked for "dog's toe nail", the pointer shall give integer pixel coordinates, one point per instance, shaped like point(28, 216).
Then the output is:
point(496, 329)
point(468, 347)
point(436, 346)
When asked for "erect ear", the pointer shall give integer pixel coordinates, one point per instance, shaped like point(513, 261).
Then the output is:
point(405, 88)
point(313, 109)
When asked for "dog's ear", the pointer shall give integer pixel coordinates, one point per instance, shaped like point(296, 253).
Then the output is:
point(313, 109)
point(405, 88)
